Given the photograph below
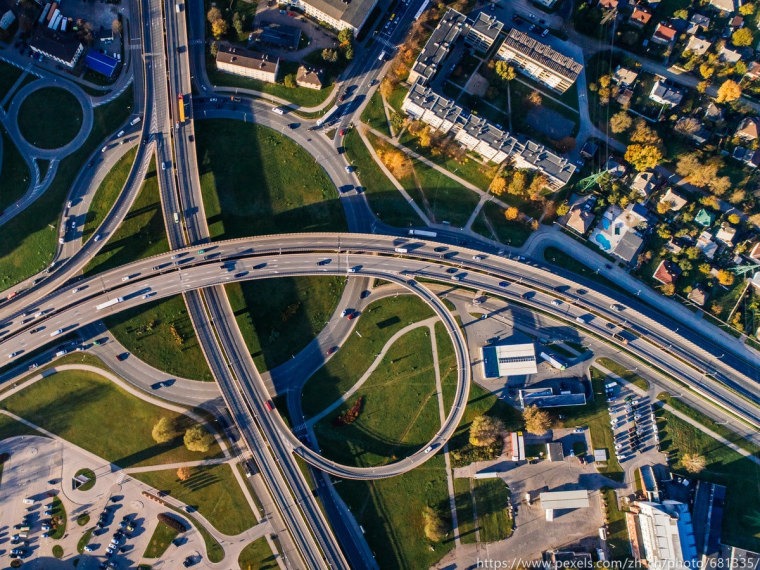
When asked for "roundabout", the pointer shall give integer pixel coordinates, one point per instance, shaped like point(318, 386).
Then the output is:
point(52, 119)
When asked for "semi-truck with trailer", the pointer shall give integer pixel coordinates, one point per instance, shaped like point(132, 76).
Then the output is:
point(109, 303)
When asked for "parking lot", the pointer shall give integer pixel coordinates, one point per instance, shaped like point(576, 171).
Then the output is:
point(632, 422)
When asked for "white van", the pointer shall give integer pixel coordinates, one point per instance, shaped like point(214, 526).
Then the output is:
point(56, 332)
point(278, 110)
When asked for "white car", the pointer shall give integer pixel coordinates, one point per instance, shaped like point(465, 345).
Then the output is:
point(97, 237)
point(89, 548)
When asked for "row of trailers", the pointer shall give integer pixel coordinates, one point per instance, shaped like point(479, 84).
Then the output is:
point(52, 16)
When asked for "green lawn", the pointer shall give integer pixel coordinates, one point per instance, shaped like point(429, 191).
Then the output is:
point(491, 500)
point(617, 535)
point(301, 96)
point(379, 435)
point(709, 423)
point(257, 556)
point(256, 181)
point(161, 334)
point(279, 317)
point(387, 202)
point(9, 74)
point(390, 511)
point(36, 229)
point(90, 474)
point(565, 261)
point(160, 541)
point(212, 490)
point(374, 114)
point(107, 192)
point(79, 406)
point(623, 372)
point(596, 416)
point(12, 428)
point(84, 541)
point(140, 235)
point(445, 199)
point(14, 175)
point(378, 322)
point(50, 117)
point(58, 518)
point(741, 525)
point(512, 233)
point(465, 510)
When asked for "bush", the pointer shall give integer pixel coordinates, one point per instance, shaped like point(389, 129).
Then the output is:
point(350, 415)
point(172, 522)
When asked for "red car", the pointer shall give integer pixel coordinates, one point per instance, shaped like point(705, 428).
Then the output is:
point(332, 350)
point(342, 132)
point(352, 316)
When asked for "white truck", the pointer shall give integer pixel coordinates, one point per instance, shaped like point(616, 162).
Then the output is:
point(110, 303)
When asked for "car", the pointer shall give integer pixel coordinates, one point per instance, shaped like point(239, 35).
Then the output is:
point(364, 294)
point(345, 313)
point(616, 307)
point(342, 132)
point(122, 356)
point(98, 237)
point(89, 548)
point(579, 430)
point(349, 169)
point(503, 284)
point(353, 315)
point(14, 354)
point(545, 32)
point(556, 302)
point(332, 350)
point(294, 125)
point(608, 266)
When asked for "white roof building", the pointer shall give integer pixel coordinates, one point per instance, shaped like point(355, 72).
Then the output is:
point(560, 500)
point(501, 360)
point(667, 534)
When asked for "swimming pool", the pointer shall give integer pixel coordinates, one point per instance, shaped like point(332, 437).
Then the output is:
point(606, 225)
point(602, 241)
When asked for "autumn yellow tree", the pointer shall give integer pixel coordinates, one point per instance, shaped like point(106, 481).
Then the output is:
point(198, 439)
point(485, 430)
point(728, 91)
point(183, 473)
point(213, 15)
point(435, 527)
point(498, 185)
point(397, 162)
point(219, 28)
point(165, 430)
point(669, 289)
point(725, 277)
point(643, 156)
point(620, 122)
point(518, 182)
point(511, 213)
point(537, 421)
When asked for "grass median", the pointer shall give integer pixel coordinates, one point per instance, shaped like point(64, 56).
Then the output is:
point(107, 192)
point(78, 406)
point(383, 197)
point(623, 372)
point(50, 117)
point(160, 540)
point(161, 334)
point(257, 556)
point(212, 490)
point(36, 229)
point(14, 175)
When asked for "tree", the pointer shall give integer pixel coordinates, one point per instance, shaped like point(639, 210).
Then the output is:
point(290, 81)
point(165, 430)
point(620, 122)
point(435, 528)
point(563, 209)
point(485, 431)
point(704, 268)
point(219, 28)
point(682, 14)
point(535, 98)
point(348, 52)
point(198, 439)
point(511, 213)
point(345, 37)
point(688, 125)
point(183, 473)
point(663, 207)
point(504, 71)
point(237, 23)
point(518, 182)
point(734, 218)
point(693, 463)
point(742, 37)
point(644, 134)
point(706, 70)
point(116, 27)
point(330, 55)
point(213, 15)
point(747, 9)
point(643, 157)
point(424, 137)
point(386, 88)
point(668, 289)
point(498, 186)
point(537, 421)
point(729, 91)
point(725, 277)
point(397, 162)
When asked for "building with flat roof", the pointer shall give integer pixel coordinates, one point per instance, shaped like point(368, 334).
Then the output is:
point(425, 105)
point(549, 398)
point(253, 64)
point(101, 63)
point(66, 49)
point(437, 47)
point(280, 36)
point(500, 360)
point(563, 500)
point(554, 451)
point(339, 14)
point(649, 483)
point(667, 534)
point(483, 32)
point(539, 61)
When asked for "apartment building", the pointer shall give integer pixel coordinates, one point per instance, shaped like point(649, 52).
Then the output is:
point(247, 63)
point(539, 61)
point(437, 47)
point(483, 32)
point(338, 14)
